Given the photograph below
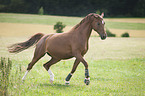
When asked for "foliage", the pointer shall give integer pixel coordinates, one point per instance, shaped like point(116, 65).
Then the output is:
point(5, 67)
point(59, 27)
point(125, 34)
point(41, 12)
point(98, 12)
point(109, 34)
point(76, 7)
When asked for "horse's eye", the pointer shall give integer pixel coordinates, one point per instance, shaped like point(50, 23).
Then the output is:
point(98, 23)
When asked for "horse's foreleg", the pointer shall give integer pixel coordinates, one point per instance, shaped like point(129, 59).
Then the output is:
point(87, 79)
point(47, 67)
point(72, 71)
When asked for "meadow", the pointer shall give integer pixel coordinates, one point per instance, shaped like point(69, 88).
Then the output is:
point(116, 65)
point(134, 26)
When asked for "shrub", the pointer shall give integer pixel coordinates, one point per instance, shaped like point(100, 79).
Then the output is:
point(59, 27)
point(98, 12)
point(125, 34)
point(5, 67)
point(41, 12)
point(109, 34)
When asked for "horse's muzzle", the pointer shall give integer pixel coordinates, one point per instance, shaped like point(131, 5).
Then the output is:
point(103, 37)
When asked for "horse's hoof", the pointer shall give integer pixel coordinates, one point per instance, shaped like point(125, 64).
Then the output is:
point(87, 81)
point(51, 78)
point(51, 81)
point(23, 81)
point(67, 83)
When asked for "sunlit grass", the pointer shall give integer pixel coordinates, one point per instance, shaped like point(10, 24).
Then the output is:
point(116, 68)
point(70, 21)
point(125, 25)
point(38, 19)
point(111, 48)
point(109, 77)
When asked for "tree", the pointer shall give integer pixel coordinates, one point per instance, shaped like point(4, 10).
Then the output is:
point(76, 7)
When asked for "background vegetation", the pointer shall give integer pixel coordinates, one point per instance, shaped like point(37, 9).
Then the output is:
point(125, 34)
point(109, 34)
point(5, 68)
point(75, 7)
point(59, 27)
point(116, 64)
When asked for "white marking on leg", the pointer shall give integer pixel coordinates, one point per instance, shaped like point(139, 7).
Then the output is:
point(87, 78)
point(25, 75)
point(51, 76)
point(67, 83)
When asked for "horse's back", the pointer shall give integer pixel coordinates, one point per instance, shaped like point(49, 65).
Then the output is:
point(58, 45)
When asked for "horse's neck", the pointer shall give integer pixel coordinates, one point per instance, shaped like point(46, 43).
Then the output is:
point(83, 31)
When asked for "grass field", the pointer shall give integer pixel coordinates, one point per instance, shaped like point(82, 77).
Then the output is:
point(134, 26)
point(116, 65)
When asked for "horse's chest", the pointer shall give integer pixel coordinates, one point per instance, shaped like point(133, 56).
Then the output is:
point(84, 48)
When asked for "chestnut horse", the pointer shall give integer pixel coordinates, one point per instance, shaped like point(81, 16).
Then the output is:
point(64, 45)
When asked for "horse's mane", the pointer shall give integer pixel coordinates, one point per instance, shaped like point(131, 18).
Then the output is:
point(88, 17)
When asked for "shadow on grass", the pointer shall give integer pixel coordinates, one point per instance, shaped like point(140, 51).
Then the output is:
point(54, 85)
point(101, 79)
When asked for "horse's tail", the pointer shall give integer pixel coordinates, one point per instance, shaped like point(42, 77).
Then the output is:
point(18, 47)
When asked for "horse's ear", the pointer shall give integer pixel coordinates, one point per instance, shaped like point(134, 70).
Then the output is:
point(102, 15)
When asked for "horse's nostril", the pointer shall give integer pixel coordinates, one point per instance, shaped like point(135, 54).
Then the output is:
point(103, 37)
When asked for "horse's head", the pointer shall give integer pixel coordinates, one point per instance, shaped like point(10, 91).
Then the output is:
point(98, 25)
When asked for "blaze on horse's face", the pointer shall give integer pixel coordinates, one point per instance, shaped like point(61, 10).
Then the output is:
point(98, 25)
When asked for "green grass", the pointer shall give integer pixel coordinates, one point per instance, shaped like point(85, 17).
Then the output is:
point(116, 68)
point(111, 48)
point(125, 25)
point(38, 19)
point(69, 21)
point(109, 77)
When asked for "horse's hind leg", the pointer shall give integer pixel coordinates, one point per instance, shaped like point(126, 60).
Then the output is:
point(47, 67)
point(30, 65)
point(39, 52)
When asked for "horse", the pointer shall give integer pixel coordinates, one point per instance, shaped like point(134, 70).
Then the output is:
point(61, 46)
